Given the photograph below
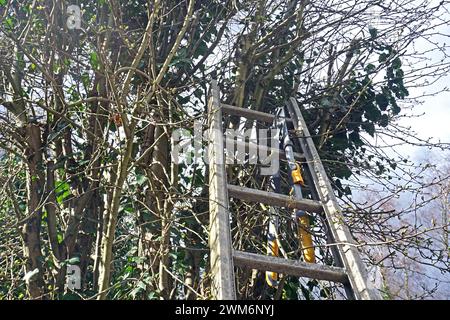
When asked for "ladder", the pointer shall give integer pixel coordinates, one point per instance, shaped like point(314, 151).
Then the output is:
point(350, 270)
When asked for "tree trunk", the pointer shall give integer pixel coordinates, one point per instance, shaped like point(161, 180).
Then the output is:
point(32, 228)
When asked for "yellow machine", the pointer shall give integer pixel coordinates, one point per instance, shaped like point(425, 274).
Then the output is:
point(304, 235)
point(303, 225)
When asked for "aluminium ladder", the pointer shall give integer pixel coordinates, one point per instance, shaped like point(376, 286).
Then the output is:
point(351, 271)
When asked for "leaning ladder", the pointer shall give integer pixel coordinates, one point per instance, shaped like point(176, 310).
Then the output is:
point(351, 271)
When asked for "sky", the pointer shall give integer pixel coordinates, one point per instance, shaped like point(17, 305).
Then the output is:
point(435, 124)
point(435, 121)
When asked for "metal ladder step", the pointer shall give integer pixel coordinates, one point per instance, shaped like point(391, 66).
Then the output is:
point(273, 199)
point(248, 113)
point(289, 267)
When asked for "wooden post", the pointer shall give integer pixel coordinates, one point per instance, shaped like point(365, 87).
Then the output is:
point(223, 282)
point(350, 256)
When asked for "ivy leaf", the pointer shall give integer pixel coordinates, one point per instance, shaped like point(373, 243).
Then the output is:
point(201, 50)
point(93, 58)
point(382, 101)
point(347, 190)
point(373, 32)
point(393, 165)
point(370, 68)
point(369, 127)
point(152, 296)
point(141, 286)
point(184, 100)
point(85, 80)
point(32, 66)
point(325, 102)
point(140, 179)
point(338, 183)
point(73, 261)
point(62, 192)
point(9, 23)
point(384, 121)
point(372, 113)
point(382, 58)
point(395, 108)
point(355, 138)
point(397, 63)
point(198, 93)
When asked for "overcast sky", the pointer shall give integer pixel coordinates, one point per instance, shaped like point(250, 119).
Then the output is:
point(435, 122)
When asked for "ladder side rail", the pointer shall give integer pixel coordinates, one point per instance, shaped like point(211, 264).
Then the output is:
point(350, 256)
point(220, 241)
point(328, 234)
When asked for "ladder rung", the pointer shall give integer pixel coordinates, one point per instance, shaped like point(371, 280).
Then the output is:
point(247, 145)
point(248, 113)
point(274, 199)
point(289, 267)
